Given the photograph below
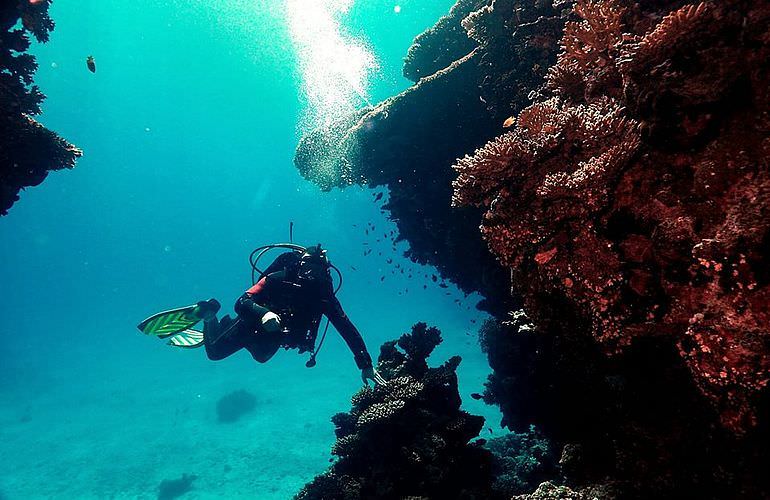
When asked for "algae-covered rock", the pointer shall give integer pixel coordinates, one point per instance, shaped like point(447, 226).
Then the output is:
point(409, 438)
point(28, 151)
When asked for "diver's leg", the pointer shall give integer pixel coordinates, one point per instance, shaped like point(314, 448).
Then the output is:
point(219, 346)
point(264, 345)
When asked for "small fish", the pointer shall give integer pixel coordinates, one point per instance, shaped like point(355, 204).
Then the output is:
point(91, 63)
point(425, 287)
point(509, 122)
point(473, 321)
point(389, 261)
point(382, 278)
point(353, 268)
point(367, 232)
point(476, 395)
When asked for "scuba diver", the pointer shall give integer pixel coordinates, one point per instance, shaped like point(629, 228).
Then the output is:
point(283, 308)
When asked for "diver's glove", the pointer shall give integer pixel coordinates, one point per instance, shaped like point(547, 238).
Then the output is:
point(370, 373)
point(271, 322)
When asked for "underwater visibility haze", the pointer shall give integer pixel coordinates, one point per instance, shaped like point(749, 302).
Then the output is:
point(550, 218)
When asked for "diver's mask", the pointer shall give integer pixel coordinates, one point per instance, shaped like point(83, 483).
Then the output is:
point(314, 265)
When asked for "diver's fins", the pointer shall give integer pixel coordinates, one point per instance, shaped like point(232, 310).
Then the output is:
point(188, 339)
point(167, 323)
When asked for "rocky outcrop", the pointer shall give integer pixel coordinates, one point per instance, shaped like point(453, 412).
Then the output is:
point(28, 151)
point(640, 193)
point(409, 142)
point(408, 439)
point(627, 209)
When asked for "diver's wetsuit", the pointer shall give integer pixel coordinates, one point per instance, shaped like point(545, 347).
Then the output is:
point(299, 302)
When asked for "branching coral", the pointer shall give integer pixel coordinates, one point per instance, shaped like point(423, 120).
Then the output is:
point(646, 234)
point(409, 438)
point(27, 149)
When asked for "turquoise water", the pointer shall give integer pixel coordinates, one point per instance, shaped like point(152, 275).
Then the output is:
point(188, 129)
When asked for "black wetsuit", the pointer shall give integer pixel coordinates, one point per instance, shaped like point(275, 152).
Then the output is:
point(298, 301)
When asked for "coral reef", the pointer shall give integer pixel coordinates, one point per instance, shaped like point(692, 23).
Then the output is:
point(27, 149)
point(550, 491)
point(441, 45)
point(408, 439)
point(640, 193)
point(626, 208)
point(231, 407)
point(409, 142)
point(521, 461)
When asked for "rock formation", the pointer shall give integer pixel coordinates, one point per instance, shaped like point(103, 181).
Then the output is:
point(627, 210)
point(408, 439)
point(27, 149)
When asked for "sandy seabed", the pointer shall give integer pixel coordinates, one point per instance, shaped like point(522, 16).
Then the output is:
point(117, 427)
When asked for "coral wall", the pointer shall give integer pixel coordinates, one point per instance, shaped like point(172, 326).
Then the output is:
point(626, 207)
point(640, 192)
point(27, 149)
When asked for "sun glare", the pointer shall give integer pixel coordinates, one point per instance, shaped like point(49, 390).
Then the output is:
point(335, 66)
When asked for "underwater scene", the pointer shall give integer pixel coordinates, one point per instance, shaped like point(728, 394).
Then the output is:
point(369, 249)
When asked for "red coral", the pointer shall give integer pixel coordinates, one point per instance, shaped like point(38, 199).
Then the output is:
point(641, 192)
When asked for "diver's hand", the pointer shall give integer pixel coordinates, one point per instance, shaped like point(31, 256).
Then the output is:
point(370, 373)
point(271, 322)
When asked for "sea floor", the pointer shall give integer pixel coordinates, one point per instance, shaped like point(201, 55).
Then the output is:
point(116, 426)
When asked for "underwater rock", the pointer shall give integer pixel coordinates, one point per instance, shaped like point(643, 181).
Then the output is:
point(522, 461)
point(439, 46)
point(409, 142)
point(550, 491)
point(231, 407)
point(169, 489)
point(640, 193)
point(409, 439)
point(27, 149)
point(631, 207)
point(627, 207)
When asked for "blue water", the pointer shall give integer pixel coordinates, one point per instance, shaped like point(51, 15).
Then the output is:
point(188, 129)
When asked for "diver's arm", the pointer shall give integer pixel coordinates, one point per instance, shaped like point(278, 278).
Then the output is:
point(348, 331)
point(247, 307)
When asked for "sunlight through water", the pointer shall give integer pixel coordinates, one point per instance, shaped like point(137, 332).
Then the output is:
point(335, 66)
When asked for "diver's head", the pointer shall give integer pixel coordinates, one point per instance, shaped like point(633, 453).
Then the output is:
point(314, 265)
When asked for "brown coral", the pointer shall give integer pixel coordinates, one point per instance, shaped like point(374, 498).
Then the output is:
point(646, 236)
point(27, 149)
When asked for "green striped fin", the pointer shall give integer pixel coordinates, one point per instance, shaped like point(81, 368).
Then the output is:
point(188, 339)
point(167, 323)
